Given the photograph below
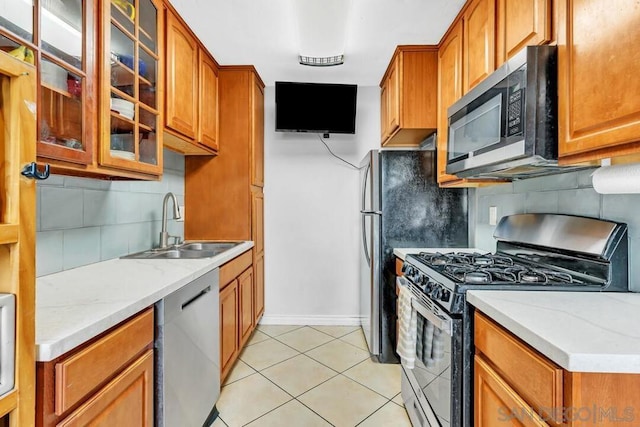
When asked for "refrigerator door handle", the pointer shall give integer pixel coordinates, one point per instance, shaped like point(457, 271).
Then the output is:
point(363, 211)
point(364, 185)
point(364, 242)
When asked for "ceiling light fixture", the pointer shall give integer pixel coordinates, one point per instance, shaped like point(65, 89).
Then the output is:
point(324, 61)
point(322, 30)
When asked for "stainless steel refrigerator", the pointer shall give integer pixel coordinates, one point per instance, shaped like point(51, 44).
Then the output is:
point(401, 207)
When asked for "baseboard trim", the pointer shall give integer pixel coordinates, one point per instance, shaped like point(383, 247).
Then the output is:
point(310, 320)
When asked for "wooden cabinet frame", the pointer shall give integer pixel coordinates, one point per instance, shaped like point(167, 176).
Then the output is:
point(17, 228)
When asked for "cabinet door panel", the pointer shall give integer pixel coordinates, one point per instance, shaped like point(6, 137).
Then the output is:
point(229, 299)
point(208, 101)
point(393, 97)
point(257, 135)
point(522, 23)
point(450, 90)
point(384, 110)
point(598, 59)
point(257, 222)
point(182, 81)
point(245, 284)
point(496, 404)
point(126, 400)
point(479, 42)
point(259, 287)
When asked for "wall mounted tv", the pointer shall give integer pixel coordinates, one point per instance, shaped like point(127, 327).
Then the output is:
point(316, 107)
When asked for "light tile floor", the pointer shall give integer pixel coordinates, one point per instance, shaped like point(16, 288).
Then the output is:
point(310, 376)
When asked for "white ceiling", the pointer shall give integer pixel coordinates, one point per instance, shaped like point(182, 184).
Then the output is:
point(264, 33)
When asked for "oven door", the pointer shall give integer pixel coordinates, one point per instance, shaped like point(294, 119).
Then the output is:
point(430, 387)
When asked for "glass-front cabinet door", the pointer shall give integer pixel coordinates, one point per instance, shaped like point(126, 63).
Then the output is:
point(130, 66)
point(62, 48)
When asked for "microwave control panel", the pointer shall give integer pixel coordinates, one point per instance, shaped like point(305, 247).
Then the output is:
point(514, 113)
point(516, 83)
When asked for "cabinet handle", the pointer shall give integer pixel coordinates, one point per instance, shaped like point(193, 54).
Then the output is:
point(31, 171)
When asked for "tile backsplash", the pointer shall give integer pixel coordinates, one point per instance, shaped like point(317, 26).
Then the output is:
point(568, 193)
point(80, 221)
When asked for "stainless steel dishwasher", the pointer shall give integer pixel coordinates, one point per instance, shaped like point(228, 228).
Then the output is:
point(187, 383)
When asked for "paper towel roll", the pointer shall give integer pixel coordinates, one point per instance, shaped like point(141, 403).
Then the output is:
point(619, 179)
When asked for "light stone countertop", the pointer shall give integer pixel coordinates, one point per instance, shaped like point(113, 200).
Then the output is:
point(403, 252)
point(76, 305)
point(580, 331)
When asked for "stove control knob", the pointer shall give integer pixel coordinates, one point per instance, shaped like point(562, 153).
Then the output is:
point(446, 294)
point(429, 286)
point(408, 270)
point(405, 267)
point(437, 292)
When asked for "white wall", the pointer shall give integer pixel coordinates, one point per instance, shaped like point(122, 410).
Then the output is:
point(312, 219)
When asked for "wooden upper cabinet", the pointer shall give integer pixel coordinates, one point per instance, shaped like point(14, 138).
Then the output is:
point(390, 102)
point(409, 96)
point(67, 77)
point(131, 78)
point(478, 41)
point(257, 133)
point(191, 118)
point(208, 102)
point(182, 78)
point(521, 23)
point(450, 70)
point(598, 85)
point(87, 54)
point(449, 91)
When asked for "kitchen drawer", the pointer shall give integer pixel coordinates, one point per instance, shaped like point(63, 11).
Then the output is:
point(127, 399)
point(531, 375)
point(79, 374)
point(495, 401)
point(234, 268)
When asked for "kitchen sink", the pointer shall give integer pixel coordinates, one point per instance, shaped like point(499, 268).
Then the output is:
point(188, 250)
point(208, 246)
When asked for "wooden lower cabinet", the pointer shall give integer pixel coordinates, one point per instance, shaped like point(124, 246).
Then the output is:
point(258, 292)
point(229, 302)
point(245, 286)
point(498, 404)
point(106, 382)
point(237, 302)
point(126, 401)
point(515, 385)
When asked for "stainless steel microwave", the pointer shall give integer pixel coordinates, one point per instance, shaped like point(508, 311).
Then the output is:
point(506, 126)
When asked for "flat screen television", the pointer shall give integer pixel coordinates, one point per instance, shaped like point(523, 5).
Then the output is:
point(316, 107)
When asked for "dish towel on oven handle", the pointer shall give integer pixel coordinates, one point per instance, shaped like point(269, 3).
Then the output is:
point(406, 347)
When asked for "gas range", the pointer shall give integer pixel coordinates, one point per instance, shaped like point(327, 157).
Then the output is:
point(444, 276)
point(533, 252)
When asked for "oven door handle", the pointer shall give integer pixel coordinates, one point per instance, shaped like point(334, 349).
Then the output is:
point(443, 324)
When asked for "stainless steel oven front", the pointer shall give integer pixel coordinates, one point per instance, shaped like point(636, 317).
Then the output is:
point(432, 388)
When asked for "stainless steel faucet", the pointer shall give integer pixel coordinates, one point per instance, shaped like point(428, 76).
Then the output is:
point(164, 235)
